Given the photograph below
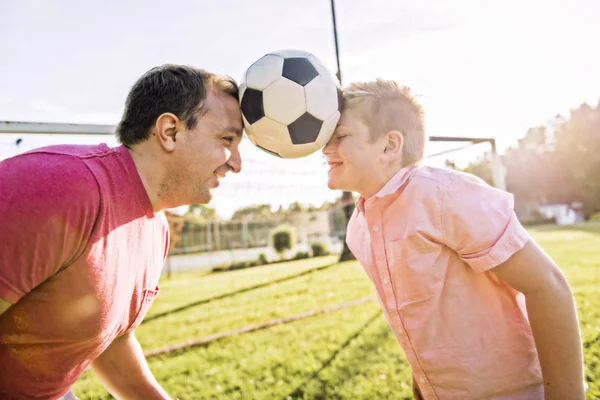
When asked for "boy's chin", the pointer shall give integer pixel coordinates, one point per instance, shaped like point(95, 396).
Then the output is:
point(333, 185)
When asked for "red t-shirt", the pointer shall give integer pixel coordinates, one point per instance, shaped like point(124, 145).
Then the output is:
point(81, 251)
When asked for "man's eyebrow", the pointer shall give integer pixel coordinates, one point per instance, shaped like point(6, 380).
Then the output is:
point(238, 132)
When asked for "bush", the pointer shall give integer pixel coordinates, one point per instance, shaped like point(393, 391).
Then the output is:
point(239, 265)
point(301, 255)
point(319, 249)
point(537, 220)
point(262, 259)
point(234, 266)
point(535, 217)
point(220, 268)
point(283, 239)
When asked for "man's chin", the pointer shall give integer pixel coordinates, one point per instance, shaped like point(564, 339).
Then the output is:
point(204, 198)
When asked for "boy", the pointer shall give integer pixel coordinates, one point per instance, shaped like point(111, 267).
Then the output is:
point(478, 307)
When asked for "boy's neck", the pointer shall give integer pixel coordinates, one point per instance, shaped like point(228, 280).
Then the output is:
point(382, 179)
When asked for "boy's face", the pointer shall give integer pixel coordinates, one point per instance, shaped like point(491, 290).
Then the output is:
point(353, 159)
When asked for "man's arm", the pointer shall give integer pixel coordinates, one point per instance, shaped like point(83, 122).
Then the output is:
point(123, 370)
point(553, 319)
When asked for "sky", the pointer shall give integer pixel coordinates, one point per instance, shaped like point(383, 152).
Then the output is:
point(482, 68)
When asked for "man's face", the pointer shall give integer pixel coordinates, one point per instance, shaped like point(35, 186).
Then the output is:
point(209, 150)
point(352, 158)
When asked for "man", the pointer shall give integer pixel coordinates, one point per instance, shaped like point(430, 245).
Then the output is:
point(83, 238)
point(450, 262)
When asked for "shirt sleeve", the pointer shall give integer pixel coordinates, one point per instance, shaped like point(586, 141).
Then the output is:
point(48, 206)
point(479, 223)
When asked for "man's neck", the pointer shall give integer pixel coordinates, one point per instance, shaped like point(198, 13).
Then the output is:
point(149, 170)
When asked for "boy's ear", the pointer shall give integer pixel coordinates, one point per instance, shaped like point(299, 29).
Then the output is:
point(393, 146)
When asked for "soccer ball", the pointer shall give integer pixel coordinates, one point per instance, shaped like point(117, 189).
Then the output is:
point(290, 103)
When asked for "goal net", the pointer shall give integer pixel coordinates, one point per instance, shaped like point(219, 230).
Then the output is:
point(237, 228)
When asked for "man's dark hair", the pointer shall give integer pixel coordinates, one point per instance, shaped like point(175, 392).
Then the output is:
point(177, 89)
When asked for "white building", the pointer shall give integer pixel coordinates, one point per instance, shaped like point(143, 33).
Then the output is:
point(563, 213)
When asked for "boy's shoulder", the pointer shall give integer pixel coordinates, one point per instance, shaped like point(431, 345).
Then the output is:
point(440, 180)
point(442, 177)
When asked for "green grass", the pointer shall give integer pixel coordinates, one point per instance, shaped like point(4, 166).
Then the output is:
point(348, 354)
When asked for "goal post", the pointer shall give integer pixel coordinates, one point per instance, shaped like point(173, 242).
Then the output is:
point(497, 167)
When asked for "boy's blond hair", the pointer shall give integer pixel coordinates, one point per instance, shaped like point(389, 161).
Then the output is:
point(384, 106)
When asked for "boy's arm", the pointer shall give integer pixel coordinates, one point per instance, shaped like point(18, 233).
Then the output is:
point(551, 312)
point(416, 391)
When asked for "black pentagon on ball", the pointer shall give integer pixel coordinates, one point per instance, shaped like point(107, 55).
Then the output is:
point(305, 129)
point(299, 70)
point(252, 105)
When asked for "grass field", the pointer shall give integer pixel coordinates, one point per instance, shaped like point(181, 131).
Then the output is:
point(347, 354)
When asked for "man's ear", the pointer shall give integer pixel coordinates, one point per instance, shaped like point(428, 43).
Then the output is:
point(393, 147)
point(165, 129)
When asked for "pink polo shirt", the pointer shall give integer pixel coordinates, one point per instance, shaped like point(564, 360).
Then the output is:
point(428, 240)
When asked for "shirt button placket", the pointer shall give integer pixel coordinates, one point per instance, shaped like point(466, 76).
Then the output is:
point(382, 265)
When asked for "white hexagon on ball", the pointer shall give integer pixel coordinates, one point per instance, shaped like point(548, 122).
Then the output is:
point(327, 130)
point(284, 101)
point(300, 150)
point(264, 72)
point(322, 70)
point(321, 98)
point(291, 53)
point(242, 89)
point(271, 136)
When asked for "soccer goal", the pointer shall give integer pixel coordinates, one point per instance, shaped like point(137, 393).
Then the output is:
point(497, 169)
point(272, 193)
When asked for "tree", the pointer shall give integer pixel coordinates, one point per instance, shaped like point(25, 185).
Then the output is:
point(257, 212)
point(201, 212)
point(295, 207)
point(556, 163)
point(348, 204)
point(578, 151)
point(482, 168)
point(176, 224)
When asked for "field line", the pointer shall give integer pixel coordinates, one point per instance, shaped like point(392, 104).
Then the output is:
point(239, 291)
point(252, 328)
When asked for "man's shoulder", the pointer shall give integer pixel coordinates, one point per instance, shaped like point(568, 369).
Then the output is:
point(57, 171)
point(69, 150)
point(58, 159)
